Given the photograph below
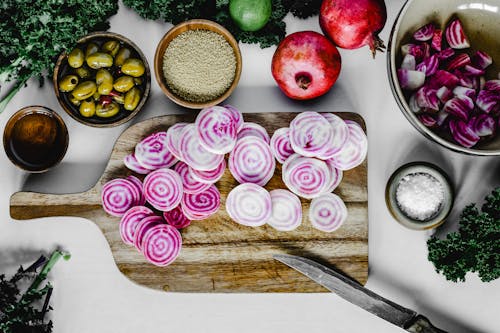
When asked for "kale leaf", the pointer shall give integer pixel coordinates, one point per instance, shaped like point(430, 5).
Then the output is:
point(303, 8)
point(33, 33)
point(476, 245)
point(175, 11)
point(19, 312)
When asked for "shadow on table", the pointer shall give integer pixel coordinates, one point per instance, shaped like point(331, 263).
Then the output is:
point(440, 319)
point(270, 99)
point(64, 178)
point(11, 259)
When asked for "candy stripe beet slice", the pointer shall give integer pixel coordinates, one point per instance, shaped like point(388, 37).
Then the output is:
point(286, 210)
point(163, 189)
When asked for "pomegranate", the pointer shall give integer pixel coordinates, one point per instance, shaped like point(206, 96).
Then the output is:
point(305, 65)
point(353, 24)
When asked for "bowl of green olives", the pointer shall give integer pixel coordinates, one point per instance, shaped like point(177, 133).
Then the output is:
point(104, 81)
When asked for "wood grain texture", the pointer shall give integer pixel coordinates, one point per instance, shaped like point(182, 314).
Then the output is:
point(219, 255)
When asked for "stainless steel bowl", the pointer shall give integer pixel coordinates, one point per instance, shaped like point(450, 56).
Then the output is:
point(481, 23)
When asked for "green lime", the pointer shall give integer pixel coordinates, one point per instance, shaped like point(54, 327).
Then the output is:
point(250, 15)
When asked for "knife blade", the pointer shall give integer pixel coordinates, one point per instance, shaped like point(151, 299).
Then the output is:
point(355, 293)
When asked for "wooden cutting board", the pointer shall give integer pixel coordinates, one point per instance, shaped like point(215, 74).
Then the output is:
point(219, 255)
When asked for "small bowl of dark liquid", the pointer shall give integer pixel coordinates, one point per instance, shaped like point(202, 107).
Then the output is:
point(35, 138)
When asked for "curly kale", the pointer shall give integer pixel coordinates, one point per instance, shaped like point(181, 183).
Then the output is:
point(20, 313)
point(476, 245)
point(33, 33)
point(303, 8)
point(175, 11)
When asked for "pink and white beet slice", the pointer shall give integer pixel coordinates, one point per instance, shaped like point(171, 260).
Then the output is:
point(163, 189)
point(327, 212)
point(162, 244)
point(251, 161)
point(152, 152)
point(216, 129)
point(118, 196)
point(194, 154)
point(280, 144)
point(355, 149)
point(253, 129)
point(310, 134)
point(249, 204)
point(130, 220)
point(286, 210)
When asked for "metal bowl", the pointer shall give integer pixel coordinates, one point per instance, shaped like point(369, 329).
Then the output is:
point(481, 23)
point(62, 68)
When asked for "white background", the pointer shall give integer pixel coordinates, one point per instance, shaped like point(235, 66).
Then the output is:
point(91, 295)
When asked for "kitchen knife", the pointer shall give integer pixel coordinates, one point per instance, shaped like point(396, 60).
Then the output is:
point(355, 293)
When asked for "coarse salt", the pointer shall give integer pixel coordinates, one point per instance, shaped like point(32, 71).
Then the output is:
point(419, 196)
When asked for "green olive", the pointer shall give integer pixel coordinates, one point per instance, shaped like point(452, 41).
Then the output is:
point(75, 58)
point(133, 67)
point(104, 81)
point(108, 110)
point(68, 83)
point(83, 72)
point(132, 98)
point(105, 88)
point(96, 96)
point(84, 90)
point(73, 100)
point(123, 83)
point(119, 98)
point(87, 108)
point(137, 81)
point(91, 49)
point(102, 76)
point(122, 55)
point(111, 47)
point(99, 60)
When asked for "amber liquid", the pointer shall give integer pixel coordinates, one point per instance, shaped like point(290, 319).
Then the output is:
point(37, 141)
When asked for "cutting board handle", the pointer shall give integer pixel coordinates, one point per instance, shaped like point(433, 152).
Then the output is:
point(31, 205)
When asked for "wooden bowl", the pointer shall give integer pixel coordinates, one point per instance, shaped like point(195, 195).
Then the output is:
point(62, 68)
point(35, 139)
point(197, 24)
point(481, 24)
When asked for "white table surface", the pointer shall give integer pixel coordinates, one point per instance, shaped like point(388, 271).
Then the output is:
point(91, 295)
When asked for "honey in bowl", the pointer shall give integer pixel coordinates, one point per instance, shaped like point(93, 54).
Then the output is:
point(35, 139)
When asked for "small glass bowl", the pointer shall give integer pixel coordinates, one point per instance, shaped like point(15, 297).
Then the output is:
point(36, 132)
point(413, 168)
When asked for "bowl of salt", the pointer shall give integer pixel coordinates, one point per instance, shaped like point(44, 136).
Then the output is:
point(419, 195)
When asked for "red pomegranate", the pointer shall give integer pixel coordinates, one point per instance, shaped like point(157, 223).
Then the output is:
point(353, 24)
point(305, 65)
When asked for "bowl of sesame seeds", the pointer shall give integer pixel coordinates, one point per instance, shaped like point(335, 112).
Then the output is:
point(198, 63)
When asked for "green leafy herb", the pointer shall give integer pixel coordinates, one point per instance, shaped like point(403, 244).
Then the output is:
point(176, 11)
point(476, 245)
point(303, 8)
point(33, 33)
point(18, 312)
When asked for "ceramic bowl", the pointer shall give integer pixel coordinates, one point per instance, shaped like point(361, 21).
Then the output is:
point(197, 24)
point(481, 23)
point(419, 168)
point(62, 69)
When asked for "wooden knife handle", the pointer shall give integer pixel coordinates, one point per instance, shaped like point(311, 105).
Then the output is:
point(422, 325)
point(30, 205)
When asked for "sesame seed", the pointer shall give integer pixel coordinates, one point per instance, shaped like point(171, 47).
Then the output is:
point(199, 65)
